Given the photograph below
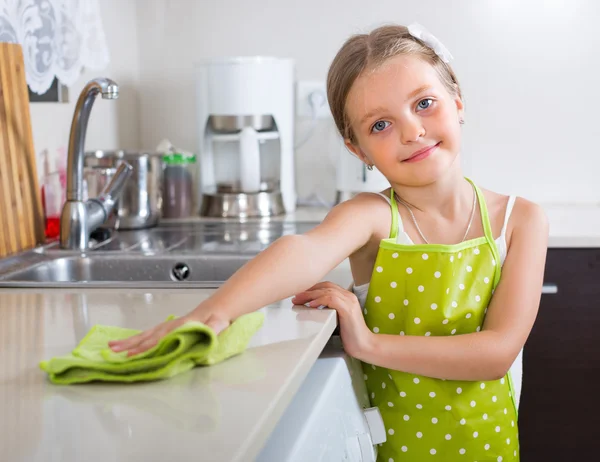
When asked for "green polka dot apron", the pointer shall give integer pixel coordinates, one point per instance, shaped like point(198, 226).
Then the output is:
point(435, 290)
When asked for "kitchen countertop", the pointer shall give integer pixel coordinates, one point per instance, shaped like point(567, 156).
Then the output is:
point(225, 412)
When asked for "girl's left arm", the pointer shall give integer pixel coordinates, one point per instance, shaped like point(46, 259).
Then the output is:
point(485, 355)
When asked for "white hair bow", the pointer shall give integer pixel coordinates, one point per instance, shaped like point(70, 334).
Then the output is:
point(418, 31)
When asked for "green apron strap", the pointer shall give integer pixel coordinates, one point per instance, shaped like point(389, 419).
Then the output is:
point(394, 228)
point(487, 229)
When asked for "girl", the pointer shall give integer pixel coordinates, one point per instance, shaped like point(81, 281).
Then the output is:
point(448, 277)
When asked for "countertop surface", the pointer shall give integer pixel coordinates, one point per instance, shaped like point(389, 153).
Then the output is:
point(224, 412)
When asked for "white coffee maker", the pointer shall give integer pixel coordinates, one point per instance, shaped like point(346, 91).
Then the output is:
point(353, 176)
point(246, 137)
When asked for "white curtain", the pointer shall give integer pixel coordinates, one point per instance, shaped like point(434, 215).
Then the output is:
point(59, 38)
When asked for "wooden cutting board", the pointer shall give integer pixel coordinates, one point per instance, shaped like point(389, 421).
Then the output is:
point(21, 214)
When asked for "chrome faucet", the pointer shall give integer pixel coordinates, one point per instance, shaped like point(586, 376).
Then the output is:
point(79, 218)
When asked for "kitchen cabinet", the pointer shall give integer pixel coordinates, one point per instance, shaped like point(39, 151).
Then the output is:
point(559, 414)
point(329, 418)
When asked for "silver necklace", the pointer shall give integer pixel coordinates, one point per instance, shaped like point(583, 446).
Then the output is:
point(417, 225)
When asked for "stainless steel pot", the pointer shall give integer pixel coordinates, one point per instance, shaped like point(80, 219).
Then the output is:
point(141, 203)
point(243, 205)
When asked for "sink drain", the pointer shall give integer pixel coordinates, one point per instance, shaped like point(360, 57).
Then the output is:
point(180, 272)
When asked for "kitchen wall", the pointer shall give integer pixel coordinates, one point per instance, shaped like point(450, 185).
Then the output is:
point(528, 72)
point(114, 123)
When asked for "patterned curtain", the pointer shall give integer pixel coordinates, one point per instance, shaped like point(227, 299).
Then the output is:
point(59, 38)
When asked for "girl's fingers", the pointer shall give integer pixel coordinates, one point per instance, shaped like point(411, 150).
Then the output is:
point(325, 299)
point(126, 343)
point(300, 299)
point(311, 294)
point(308, 296)
point(319, 304)
point(135, 341)
point(143, 346)
point(149, 339)
point(303, 297)
point(217, 324)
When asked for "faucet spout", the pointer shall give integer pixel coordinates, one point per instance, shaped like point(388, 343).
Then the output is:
point(109, 90)
point(79, 218)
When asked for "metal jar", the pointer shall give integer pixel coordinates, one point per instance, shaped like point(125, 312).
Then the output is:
point(141, 203)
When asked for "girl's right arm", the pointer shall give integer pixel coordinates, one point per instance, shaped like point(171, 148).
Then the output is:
point(288, 266)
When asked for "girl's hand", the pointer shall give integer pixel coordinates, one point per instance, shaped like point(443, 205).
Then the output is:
point(355, 334)
point(145, 340)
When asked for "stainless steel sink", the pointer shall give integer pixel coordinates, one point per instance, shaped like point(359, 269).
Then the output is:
point(179, 255)
point(136, 271)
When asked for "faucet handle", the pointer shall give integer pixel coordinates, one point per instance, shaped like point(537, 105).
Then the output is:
point(113, 190)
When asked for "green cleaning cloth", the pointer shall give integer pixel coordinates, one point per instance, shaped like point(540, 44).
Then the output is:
point(191, 344)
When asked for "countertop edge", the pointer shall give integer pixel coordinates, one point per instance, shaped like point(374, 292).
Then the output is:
point(573, 242)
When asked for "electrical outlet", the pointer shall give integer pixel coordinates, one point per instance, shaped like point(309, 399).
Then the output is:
point(304, 90)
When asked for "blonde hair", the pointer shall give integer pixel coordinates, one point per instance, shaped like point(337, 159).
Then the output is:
point(369, 51)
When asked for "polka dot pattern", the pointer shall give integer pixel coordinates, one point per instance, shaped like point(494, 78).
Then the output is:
point(441, 291)
point(447, 288)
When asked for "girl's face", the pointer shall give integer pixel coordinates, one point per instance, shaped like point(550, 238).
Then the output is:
point(405, 121)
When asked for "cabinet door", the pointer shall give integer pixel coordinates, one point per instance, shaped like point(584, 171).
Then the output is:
point(559, 415)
